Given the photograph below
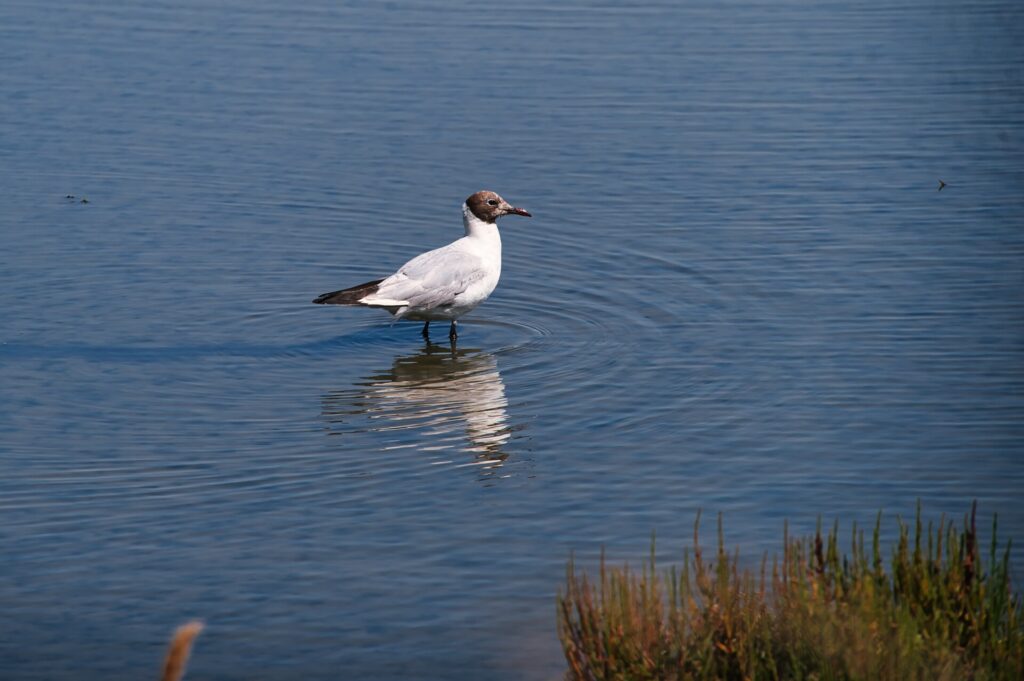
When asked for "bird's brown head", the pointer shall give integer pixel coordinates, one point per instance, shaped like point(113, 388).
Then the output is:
point(488, 206)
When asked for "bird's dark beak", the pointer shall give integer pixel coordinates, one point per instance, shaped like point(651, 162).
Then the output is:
point(519, 211)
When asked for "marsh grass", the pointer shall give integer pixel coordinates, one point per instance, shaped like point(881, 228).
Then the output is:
point(937, 611)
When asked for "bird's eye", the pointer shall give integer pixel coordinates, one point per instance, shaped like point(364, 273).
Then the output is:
point(492, 202)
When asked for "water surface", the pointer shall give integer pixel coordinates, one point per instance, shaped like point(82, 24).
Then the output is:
point(741, 291)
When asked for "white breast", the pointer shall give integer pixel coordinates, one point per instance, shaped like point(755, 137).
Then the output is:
point(483, 241)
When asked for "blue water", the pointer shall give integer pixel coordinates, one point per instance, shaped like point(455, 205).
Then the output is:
point(741, 292)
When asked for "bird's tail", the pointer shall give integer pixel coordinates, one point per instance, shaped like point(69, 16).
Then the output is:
point(348, 296)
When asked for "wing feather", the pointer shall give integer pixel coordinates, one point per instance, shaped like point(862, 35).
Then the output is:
point(432, 279)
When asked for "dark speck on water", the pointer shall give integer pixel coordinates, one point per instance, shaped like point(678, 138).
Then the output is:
point(734, 296)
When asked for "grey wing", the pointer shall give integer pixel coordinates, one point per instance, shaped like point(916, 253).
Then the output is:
point(432, 279)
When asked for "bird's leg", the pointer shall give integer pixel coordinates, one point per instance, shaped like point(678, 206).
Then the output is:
point(453, 333)
point(426, 329)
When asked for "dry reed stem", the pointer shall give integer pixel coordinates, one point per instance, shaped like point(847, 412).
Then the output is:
point(179, 649)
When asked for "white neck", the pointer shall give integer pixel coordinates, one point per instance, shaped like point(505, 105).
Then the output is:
point(476, 227)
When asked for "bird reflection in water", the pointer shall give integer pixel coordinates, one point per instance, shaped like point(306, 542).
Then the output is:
point(454, 398)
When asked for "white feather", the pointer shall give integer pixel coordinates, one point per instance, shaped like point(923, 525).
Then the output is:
point(374, 301)
point(447, 282)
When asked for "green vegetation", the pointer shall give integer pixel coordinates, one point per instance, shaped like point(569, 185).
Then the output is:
point(937, 612)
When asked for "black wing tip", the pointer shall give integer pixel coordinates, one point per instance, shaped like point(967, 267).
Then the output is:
point(348, 296)
point(334, 298)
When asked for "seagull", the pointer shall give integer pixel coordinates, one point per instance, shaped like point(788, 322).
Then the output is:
point(445, 283)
